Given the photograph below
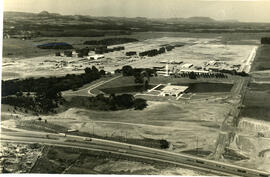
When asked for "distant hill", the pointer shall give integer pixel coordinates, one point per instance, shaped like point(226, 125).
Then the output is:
point(47, 14)
point(44, 13)
point(48, 24)
point(15, 14)
point(192, 20)
point(230, 21)
point(200, 19)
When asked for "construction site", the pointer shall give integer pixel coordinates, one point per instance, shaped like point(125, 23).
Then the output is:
point(183, 55)
point(196, 85)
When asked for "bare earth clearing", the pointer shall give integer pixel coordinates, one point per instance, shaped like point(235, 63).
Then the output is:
point(181, 122)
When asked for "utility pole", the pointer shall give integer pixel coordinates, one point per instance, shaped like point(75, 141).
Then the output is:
point(93, 128)
point(197, 144)
point(120, 135)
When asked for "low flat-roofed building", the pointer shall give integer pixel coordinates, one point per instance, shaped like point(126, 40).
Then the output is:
point(173, 90)
point(187, 65)
point(176, 62)
point(164, 61)
point(195, 71)
point(164, 73)
point(95, 57)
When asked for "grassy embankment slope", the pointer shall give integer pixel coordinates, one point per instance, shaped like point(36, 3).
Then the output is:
point(257, 98)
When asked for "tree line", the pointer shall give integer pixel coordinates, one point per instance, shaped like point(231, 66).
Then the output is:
point(194, 75)
point(110, 41)
point(109, 103)
point(47, 91)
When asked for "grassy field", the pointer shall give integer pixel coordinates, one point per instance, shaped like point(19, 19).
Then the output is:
point(257, 102)
point(16, 48)
point(201, 85)
point(257, 98)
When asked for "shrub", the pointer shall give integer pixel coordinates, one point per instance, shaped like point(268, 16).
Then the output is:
point(140, 104)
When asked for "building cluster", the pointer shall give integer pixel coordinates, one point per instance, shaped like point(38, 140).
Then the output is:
point(12, 32)
point(85, 52)
point(213, 66)
point(221, 66)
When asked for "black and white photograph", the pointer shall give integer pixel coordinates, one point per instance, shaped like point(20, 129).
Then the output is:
point(135, 87)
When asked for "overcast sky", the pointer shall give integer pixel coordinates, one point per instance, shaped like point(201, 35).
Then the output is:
point(243, 10)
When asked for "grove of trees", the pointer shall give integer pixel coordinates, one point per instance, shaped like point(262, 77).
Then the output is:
point(47, 91)
point(110, 41)
point(193, 75)
point(265, 40)
point(109, 103)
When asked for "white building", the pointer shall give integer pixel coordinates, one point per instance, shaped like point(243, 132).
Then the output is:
point(95, 57)
point(173, 90)
point(187, 65)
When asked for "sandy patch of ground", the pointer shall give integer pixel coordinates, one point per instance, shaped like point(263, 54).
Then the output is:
point(182, 124)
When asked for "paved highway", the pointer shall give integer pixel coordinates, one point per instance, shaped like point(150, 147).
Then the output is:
point(95, 144)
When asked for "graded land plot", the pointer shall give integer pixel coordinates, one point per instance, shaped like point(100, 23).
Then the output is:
point(17, 48)
point(174, 122)
point(195, 51)
point(253, 135)
point(167, 119)
point(181, 122)
point(42, 66)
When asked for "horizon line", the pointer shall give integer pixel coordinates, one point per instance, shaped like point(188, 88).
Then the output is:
point(221, 20)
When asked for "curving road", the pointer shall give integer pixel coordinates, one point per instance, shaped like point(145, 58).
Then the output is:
point(91, 87)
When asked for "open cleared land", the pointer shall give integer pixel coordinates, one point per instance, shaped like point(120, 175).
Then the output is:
point(253, 135)
point(196, 51)
point(201, 111)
